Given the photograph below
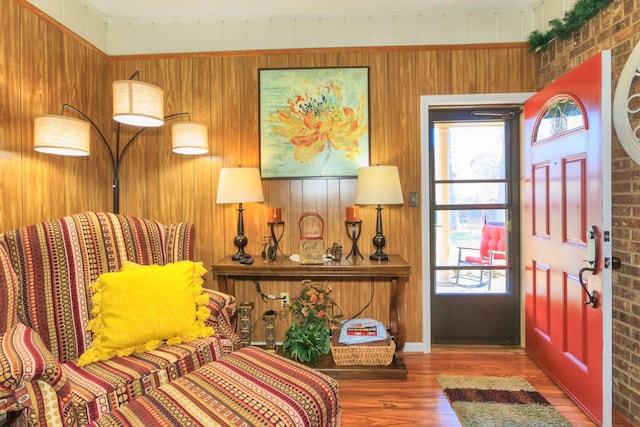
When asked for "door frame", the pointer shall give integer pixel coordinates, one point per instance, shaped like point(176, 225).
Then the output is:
point(426, 102)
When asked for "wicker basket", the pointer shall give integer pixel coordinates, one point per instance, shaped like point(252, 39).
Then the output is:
point(362, 354)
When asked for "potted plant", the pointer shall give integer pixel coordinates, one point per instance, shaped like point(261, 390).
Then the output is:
point(312, 315)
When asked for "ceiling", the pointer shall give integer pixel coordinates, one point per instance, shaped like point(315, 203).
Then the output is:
point(181, 10)
point(133, 27)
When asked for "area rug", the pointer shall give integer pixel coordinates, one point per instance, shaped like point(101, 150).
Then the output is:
point(498, 401)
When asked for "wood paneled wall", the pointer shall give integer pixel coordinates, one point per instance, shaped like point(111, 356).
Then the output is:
point(40, 69)
point(221, 91)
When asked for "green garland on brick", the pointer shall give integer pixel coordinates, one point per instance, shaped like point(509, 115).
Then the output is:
point(563, 28)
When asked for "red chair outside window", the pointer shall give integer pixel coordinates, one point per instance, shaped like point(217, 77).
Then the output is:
point(490, 253)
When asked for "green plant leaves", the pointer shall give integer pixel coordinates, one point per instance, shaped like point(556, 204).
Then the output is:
point(312, 311)
point(306, 341)
point(573, 20)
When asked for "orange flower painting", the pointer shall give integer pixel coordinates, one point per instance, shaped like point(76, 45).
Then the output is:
point(314, 122)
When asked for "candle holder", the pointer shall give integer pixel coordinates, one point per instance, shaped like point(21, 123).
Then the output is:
point(270, 250)
point(246, 310)
point(270, 330)
point(354, 228)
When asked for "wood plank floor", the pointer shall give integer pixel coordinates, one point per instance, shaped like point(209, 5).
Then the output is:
point(419, 401)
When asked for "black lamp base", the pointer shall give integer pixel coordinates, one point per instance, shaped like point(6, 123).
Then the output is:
point(379, 256)
point(379, 240)
point(240, 255)
point(241, 240)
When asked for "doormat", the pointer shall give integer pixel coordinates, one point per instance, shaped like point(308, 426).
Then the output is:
point(498, 401)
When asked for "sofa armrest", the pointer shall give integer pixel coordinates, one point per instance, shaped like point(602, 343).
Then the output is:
point(31, 378)
point(40, 405)
point(24, 358)
point(223, 308)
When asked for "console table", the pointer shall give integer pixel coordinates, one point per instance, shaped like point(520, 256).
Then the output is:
point(396, 270)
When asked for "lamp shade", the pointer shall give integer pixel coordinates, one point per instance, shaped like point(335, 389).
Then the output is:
point(138, 103)
point(239, 185)
point(189, 138)
point(61, 135)
point(379, 185)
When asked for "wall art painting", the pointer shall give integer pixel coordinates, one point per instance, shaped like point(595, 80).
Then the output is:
point(314, 122)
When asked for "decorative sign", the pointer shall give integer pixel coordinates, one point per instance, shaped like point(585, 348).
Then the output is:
point(311, 244)
point(311, 251)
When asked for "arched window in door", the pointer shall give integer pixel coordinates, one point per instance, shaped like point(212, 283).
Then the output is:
point(563, 114)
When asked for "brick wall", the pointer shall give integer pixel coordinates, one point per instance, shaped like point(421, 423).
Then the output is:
point(616, 28)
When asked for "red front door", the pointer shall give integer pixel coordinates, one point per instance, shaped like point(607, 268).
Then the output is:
point(567, 172)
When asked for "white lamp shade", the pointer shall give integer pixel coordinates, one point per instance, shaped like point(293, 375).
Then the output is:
point(61, 135)
point(189, 138)
point(138, 103)
point(379, 185)
point(239, 185)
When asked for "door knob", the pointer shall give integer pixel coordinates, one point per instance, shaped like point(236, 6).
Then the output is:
point(613, 262)
point(616, 263)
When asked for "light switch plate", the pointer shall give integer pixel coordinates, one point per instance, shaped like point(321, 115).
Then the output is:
point(413, 199)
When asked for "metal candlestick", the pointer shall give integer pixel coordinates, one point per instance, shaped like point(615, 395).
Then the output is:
point(272, 250)
point(354, 228)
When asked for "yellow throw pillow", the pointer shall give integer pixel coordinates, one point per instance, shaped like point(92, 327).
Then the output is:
point(140, 307)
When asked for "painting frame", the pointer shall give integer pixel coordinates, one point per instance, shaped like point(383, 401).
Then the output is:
point(314, 122)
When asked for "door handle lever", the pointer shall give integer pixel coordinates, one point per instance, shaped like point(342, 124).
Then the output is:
point(592, 297)
point(593, 252)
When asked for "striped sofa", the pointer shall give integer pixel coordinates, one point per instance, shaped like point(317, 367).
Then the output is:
point(45, 308)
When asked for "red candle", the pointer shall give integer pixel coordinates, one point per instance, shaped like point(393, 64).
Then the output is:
point(275, 215)
point(353, 213)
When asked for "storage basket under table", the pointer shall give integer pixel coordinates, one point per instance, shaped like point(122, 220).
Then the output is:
point(378, 353)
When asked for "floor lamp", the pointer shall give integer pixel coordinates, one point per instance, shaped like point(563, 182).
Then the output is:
point(240, 185)
point(379, 185)
point(135, 103)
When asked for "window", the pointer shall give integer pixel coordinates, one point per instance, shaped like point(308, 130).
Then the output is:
point(562, 115)
point(470, 206)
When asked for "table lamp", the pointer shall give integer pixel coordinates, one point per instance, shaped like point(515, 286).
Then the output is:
point(240, 185)
point(379, 185)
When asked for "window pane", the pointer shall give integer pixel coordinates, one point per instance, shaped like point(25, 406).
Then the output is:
point(457, 230)
point(469, 151)
point(471, 194)
point(562, 115)
point(476, 264)
point(466, 282)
